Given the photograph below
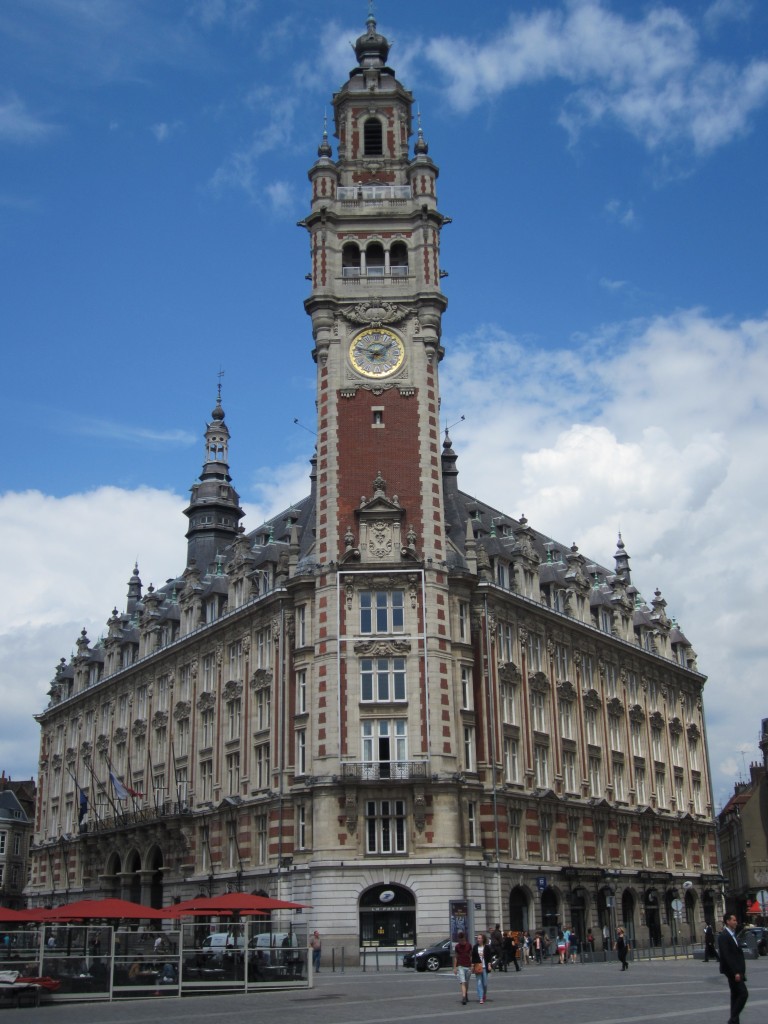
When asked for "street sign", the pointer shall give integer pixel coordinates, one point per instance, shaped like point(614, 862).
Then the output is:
point(541, 883)
point(677, 906)
point(762, 899)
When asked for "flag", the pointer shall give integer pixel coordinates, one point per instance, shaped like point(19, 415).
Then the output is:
point(83, 807)
point(122, 792)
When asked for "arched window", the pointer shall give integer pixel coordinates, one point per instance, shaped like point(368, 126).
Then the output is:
point(374, 259)
point(373, 137)
point(350, 260)
point(398, 259)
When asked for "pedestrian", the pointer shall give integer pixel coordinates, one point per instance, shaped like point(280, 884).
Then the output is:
point(732, 965)
point(709, 943)
point(538, 944)
point(497, 946)
point(622, 948)
point(590, 941)
point(316, 946)
point(510, 950)
point(481, 963)
point(462, 965)
point(606, 937)
point(527, 946)
point(561, 945)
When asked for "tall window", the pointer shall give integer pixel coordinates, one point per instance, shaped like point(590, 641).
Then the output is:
point(301, 691)
point(504, 642)
point(541, 765)
point(301, 752)
point(656, 745)
point(235, 670)
point(636, 736)
point(384, 740)
point(696, 786)
point(472, 823)
point(234, 710)
point(141, 702)
point(511, 759)
point(588, 671)
point(562, 662)
point(181, 743)
point(206, 779)
point(261, 766)
point(385, 826)
point(206, 727)
point(464, 621)
point(514, 833)
point(590, 725)
point(466, 687)
point(661, 793)
point(538, 711)
point(261, 839)
point(569, 770)
point(509, 703)
point(373, 137)
point(640, 785)
point(600, 840)
point(301, 827)
point(185, 682)
point(232, 773)
point(263, 648)
point(679, 795)
point(469, 748)
point(618, 781)
point(382, 611)
point(565, 710)
point(674, 742)
point(534, 652)
point(262, 709)
point(301, 625)
point(614, 732)
point(545, 825)
point(611, 679)
point(382, 679)
point(693, 753)
point(209, 672)
point(624, 843)
point(595, 777)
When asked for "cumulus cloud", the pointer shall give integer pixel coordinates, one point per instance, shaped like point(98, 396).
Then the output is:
point(163, 130)
point(647, 75)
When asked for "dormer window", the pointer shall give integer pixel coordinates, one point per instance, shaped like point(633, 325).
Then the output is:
point(373, 137)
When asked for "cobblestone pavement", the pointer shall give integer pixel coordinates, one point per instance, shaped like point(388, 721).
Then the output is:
point(570, 994)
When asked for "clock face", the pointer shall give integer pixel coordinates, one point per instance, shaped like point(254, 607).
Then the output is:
point(376, 352)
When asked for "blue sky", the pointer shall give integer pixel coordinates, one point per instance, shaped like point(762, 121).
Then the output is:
point(607, 331)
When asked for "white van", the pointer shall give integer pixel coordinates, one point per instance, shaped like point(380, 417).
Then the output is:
point(221, 944)
point(274, 947)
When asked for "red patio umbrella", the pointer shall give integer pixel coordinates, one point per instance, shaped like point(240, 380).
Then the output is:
point(232, 903)
point(7, 915)
point(106, 908)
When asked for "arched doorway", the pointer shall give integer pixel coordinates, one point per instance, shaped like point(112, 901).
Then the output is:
point(708, 905)
point(691, 900)
point(549, 911)
point(652, 918)
point(578, 910)
point(605, 918)
point(154, 863)
point(628, 914)
point(387, 916)
point(519, 909)
point(132, 877)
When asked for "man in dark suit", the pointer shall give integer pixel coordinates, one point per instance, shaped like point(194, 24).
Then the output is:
point(732, 966)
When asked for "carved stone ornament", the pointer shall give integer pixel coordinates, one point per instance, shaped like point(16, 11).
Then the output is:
point(102, 743)
point(182, 710)
point(538, 683)
point(636, 713)
point(693, 733)
point(159, 719)
point(139, 727)
point(375, 312)
point(121, 735)
point(232, 689)
point(382, 648)
point(56, 761)
point(261, 679)
point(591, 699)
point(419, 809)
point(657, 721)
point(676, 727)
point(566, 691)
point(71, 755)
point(350, 810)
point(510, 673)
point(523, 631)
point(615, 707)
point(205, 701)
point(86, 749)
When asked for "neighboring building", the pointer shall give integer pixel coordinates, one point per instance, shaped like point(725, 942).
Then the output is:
point(390, 705)
point(743, 836)
point(17, 808)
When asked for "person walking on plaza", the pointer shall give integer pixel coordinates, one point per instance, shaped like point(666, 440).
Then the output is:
point(733, 967)
point(622, 948)
point(497, 946)
point(710, 953)
point(510, 951)
point(481, 961)
point(462, 965)
point(316, 946)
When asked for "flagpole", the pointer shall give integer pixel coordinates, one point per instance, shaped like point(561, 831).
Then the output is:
point(99, 786)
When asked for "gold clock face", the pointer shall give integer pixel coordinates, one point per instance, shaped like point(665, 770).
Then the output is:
point(376, 352)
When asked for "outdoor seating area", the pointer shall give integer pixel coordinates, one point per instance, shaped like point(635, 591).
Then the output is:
point(110, 949)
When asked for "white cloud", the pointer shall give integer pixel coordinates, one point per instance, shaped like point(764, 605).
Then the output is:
point(648, 74)
point(18, 125)
point(726, 10)
point(163, 130)
point(622, 213)
point(654, 428)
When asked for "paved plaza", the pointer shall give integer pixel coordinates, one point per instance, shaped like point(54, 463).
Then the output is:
point(571, 994)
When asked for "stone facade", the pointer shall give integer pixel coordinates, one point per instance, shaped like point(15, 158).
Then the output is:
point(391, 701)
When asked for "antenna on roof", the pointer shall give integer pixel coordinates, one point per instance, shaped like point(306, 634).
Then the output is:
point(458, 421)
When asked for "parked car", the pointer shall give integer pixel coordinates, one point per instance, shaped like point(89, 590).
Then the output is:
point(430, 958)
point(219, 947)
point(754, 941)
